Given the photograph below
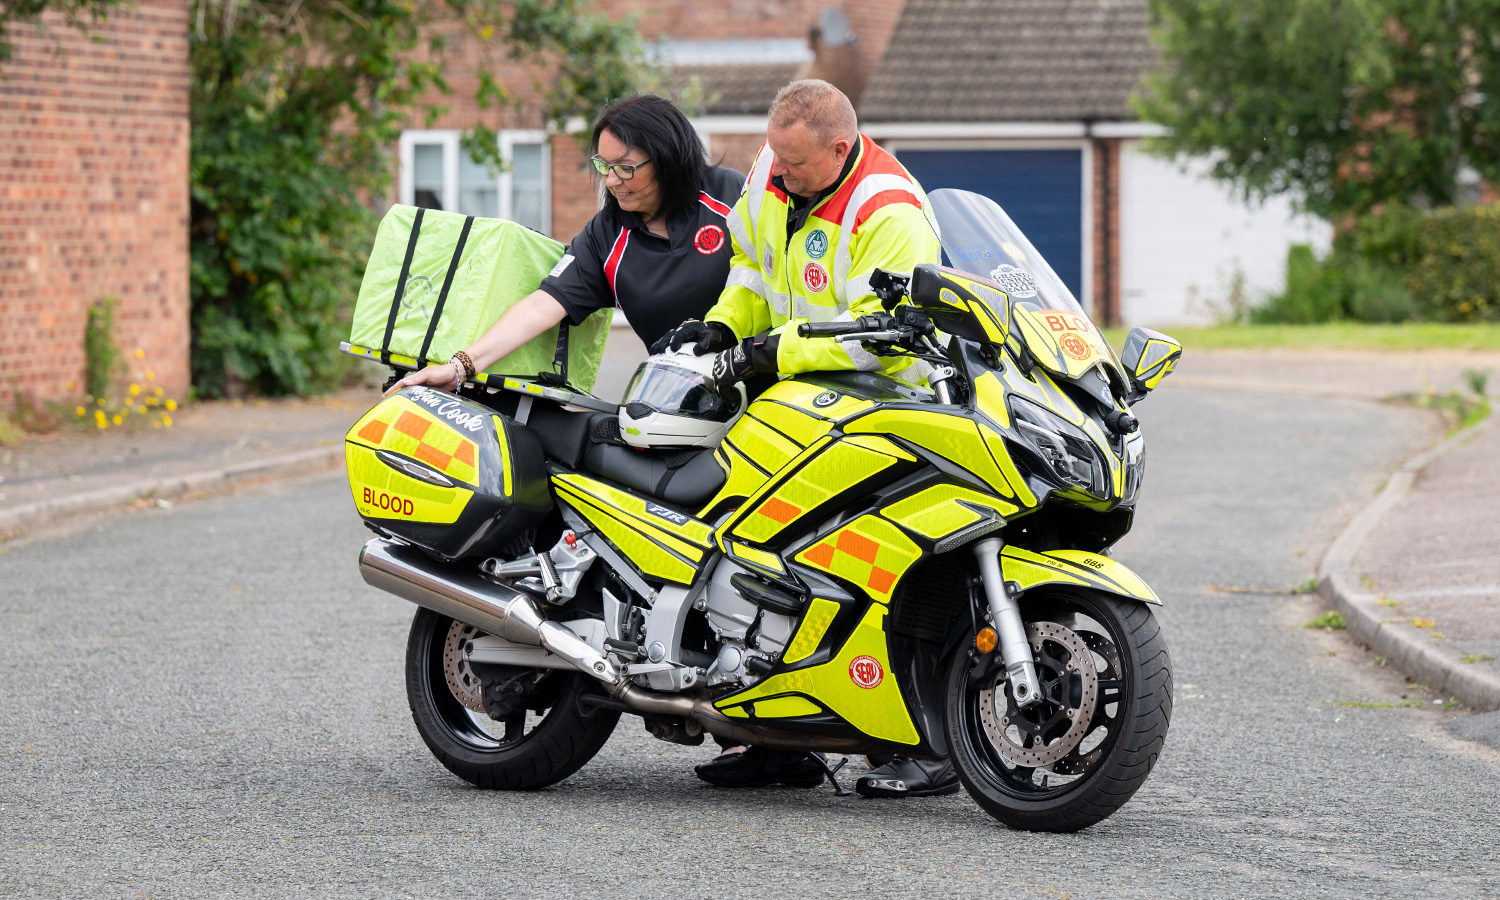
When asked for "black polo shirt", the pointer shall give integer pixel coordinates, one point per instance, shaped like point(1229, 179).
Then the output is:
point(658, 282)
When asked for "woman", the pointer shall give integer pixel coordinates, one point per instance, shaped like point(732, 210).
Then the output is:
point(657, 249)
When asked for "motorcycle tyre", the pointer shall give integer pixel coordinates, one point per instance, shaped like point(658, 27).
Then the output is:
point(1131, 754)
point(560, 744)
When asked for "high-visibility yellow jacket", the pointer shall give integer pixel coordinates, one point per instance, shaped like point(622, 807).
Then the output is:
point(877, 218)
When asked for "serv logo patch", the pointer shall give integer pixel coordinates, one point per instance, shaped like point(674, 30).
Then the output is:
point(815, 277)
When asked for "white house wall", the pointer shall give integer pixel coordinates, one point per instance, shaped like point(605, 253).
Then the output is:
point(1184, 238)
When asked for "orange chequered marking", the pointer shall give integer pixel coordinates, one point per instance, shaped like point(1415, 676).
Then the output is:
point(858, 546)
point(778, 510)
point(881, 580)
point(465, 453)
point(374, 431)
point(413, 425)
point(434, 457)
point(820, 555)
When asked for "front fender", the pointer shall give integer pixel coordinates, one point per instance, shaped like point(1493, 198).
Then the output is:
point(1029, 569)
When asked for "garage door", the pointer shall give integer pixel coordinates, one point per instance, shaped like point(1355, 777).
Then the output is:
point(1042, 190)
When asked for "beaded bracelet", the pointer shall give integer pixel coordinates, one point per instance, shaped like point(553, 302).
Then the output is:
point(466, 361)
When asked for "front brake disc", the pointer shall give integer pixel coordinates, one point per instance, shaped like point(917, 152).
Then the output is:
point(1022, 736)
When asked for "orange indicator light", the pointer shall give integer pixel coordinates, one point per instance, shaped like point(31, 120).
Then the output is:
point(985, 640)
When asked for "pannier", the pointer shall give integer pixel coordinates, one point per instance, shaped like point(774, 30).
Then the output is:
point(446, 474)
point(438, 280)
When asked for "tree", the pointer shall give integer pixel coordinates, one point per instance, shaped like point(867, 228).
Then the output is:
point(1345, 104)
point(76, 13)
point(296, 105)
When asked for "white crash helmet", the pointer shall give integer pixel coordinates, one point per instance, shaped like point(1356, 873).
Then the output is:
point(672, 401)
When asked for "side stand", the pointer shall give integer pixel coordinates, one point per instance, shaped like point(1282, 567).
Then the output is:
point(832, 772)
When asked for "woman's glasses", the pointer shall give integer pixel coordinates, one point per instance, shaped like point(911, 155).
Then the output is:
point(622, 171)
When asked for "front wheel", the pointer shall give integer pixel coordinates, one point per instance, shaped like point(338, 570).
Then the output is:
point(528, 733)
point(1077, 756)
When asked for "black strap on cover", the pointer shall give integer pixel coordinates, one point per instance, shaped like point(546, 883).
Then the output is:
point(558, 377)
point(437, 310)
point(390, 325)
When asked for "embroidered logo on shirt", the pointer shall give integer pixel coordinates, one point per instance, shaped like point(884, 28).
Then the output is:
point(815, 277)
point(816, 244)
point(709, 239)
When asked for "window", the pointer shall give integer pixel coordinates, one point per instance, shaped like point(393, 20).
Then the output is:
point(437, 174)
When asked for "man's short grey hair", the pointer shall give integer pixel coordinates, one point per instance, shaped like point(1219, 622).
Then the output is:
point(823, 108)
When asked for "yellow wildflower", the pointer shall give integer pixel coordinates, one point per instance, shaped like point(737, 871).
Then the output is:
point(71, 385)
point(150, 375)
point(118, 419)
point(166, 420)
point(157, 390)
point(139, 353)
point(172, 404)
point(135, 390)
point(81, 411)
point(99, 401)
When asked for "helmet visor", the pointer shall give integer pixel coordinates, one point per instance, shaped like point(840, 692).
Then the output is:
point(664, 387)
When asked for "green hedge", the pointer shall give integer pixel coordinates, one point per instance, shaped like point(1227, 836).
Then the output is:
point(1401, 265)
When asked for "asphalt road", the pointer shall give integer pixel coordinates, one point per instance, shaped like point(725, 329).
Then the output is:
point(208, 702)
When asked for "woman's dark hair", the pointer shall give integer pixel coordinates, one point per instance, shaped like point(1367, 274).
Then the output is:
point(667, 138)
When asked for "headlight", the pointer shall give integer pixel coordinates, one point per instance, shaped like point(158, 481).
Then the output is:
point(1063, 446)
point(1135, 466)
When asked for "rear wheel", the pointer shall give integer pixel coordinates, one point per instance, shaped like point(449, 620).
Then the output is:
point(534, 733)
point(1077, 756)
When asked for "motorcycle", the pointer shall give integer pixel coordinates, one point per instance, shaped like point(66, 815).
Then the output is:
point(860, 565)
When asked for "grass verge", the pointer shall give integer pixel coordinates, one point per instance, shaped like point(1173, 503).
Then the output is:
point(1406, 337)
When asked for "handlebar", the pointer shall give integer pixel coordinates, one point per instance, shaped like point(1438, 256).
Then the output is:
point(828, 329)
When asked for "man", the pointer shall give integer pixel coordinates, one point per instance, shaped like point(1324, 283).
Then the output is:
point(823, 208)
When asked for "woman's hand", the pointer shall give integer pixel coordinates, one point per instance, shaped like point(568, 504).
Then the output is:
point(444, 377)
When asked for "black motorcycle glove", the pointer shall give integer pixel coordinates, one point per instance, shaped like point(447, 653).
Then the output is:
point(751, 356)
point(703, 337)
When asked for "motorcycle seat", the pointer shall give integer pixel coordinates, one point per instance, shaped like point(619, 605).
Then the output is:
point(684, 478)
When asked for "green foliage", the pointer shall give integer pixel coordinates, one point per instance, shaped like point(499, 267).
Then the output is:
point(78, 14)
point(102, 361)
point(1345, 104)
point(1333, 620)
point(1400, 265)
point(1343, 286)
point(296, 105)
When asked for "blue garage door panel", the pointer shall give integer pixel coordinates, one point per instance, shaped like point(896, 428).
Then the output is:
point(1042, 190)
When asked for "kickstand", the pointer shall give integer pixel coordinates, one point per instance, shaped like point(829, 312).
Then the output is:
point(832, 772)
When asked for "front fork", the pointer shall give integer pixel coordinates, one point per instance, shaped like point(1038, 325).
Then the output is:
point(1015, 650)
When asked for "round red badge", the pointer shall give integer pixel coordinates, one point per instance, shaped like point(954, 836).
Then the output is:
point(1075, 346)
point(866, 672)
point(709, 239)
point(815, 277)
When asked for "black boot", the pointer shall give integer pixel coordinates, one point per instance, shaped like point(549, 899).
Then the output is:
point(909, 778)
point(758, 767)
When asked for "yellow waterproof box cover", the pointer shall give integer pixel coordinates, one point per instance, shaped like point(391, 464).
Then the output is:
point(446, 474)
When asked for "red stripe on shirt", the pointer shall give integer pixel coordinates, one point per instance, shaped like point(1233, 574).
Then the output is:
point(612, 265)
point(882, 199)
point(713, 204)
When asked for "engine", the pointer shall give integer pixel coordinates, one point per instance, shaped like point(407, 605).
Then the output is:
point(754, 623)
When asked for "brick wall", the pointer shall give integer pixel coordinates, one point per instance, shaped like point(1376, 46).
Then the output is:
point(1104, 306)
point(94, 197)
point(575, 198)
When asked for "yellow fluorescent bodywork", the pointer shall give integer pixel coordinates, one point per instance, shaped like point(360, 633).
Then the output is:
point(785, 707)
point(815, 621)
point(398, 425)
point(761, 444)
point(741, 479)
point(952, 437)
point(690, 538)
point(836, 470)
point(753, 501)
point(1062, 341)
point(801, 395)
point(936, 512)
point(428, 502)
point(1029, 569)
point(878, 711)
point(869, 552)
point(645, 552)
point(757, 558)
point(792, 422)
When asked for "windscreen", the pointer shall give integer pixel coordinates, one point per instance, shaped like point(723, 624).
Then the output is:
point(676, 390)
point(979, 238)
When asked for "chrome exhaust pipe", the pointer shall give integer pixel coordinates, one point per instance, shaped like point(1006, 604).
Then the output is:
point(469, 598)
